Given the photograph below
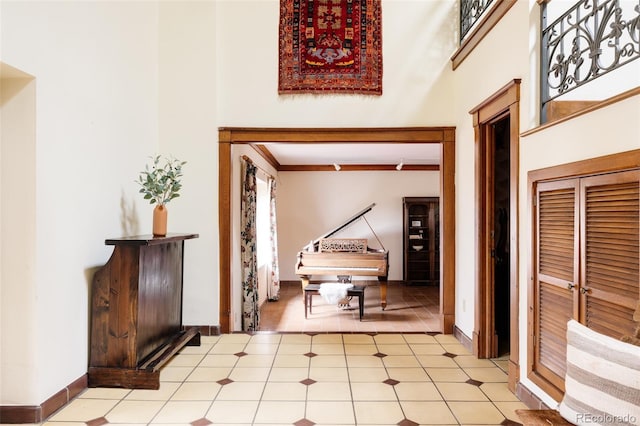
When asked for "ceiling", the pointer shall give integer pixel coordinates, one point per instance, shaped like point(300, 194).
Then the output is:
point(345, 154)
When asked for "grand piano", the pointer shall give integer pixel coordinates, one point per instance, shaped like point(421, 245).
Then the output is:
point(344, 257)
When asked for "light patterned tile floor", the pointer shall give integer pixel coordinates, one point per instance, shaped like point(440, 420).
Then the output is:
point(311, 379)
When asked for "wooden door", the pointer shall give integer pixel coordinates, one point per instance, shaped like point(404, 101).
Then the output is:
point(557, 276)
point(609, 287)
point(587, 234)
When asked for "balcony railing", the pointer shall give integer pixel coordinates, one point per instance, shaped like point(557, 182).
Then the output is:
point(470, 13)
point(589, 40)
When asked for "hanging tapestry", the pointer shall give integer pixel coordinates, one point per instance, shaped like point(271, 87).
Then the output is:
point(330, 46)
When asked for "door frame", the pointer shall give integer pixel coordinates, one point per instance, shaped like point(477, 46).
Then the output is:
point(445, 136)
point(504, 103)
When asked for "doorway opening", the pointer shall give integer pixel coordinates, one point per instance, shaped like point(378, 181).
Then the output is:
point(496, 124)
point(444, 136)
point(501, 213)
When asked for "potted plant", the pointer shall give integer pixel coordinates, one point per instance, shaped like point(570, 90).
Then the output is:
point(160, 183)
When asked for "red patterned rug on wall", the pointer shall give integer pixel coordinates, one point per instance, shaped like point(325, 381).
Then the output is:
point(330, 46)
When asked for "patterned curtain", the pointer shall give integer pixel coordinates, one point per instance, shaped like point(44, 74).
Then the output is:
point(250, 309)
point(273, 289)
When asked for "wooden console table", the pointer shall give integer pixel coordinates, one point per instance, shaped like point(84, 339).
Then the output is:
point(136, 312)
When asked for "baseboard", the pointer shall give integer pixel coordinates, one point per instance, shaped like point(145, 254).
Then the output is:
point(13, 414)
point(466, 341)
point(529, 399)
point(206, 330)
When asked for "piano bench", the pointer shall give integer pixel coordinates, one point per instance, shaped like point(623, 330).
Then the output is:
point(312, 289)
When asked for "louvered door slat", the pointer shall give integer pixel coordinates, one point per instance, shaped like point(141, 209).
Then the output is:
point(608, 318)
point(556, 251)
point(610, 234)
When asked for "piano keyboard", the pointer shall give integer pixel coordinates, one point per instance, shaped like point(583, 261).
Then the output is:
point(350, 268)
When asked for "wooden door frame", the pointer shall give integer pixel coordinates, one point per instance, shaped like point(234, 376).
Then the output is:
point(445, 136)
point(504, 103)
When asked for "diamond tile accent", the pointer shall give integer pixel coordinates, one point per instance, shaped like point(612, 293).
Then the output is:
point(407, 422)
point(307, 382)
point(97, 422)
point(224, 381)
point(474, 382)
point(380, 355)
point(240, 354)
point(310, 354)
point(391, 382)
point(449, 354)
point(304, 422)
point(201, 422)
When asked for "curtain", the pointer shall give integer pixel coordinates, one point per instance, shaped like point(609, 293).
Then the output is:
point(250, 308)
point(273, 289)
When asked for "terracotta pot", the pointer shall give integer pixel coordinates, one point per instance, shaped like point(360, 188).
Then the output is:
point(160, 220)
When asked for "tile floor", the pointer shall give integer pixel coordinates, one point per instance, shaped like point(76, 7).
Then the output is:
point(305, 379)
point(409, 309)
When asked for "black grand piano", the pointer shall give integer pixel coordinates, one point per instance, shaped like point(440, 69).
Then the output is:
point(344, 257)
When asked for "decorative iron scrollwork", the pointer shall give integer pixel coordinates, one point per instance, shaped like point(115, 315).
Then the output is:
point(470, 13)
point(591, 39)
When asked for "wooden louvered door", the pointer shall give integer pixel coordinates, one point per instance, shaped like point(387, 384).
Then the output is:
point(587, 238)
point(609, 287)
point(557, 275)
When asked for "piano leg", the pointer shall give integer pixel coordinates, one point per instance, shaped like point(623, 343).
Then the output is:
point(304, 279)
point(383, 291)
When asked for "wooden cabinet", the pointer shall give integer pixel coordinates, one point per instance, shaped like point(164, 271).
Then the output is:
point(421, 244)
point(136, 312)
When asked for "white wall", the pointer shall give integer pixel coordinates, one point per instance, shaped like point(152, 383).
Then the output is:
point(571, 141)
point(188, 130)
point(502, 56)
point(312, 203)
point(95, 65)
point(18, 301)
point(417, 43)
point(508, 52)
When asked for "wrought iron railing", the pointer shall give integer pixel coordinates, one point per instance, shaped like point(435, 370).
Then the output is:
point(470, 13)
point(591, 39)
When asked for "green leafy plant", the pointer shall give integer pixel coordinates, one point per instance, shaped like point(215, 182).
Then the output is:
point(160, 182)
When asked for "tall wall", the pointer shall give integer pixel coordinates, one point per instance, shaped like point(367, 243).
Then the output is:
point(417, 44)
point(18, 301)
point(95, 67)
point(188, 129)
point(506, 53)
point(571, 141)
point(501, 56)
point(110, 77)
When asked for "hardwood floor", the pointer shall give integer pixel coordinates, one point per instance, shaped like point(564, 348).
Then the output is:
point(409, 309)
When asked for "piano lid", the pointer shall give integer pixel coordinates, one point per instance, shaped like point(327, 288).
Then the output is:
point(342, 226)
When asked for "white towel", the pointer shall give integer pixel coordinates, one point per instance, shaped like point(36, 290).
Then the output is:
point(333, 293)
